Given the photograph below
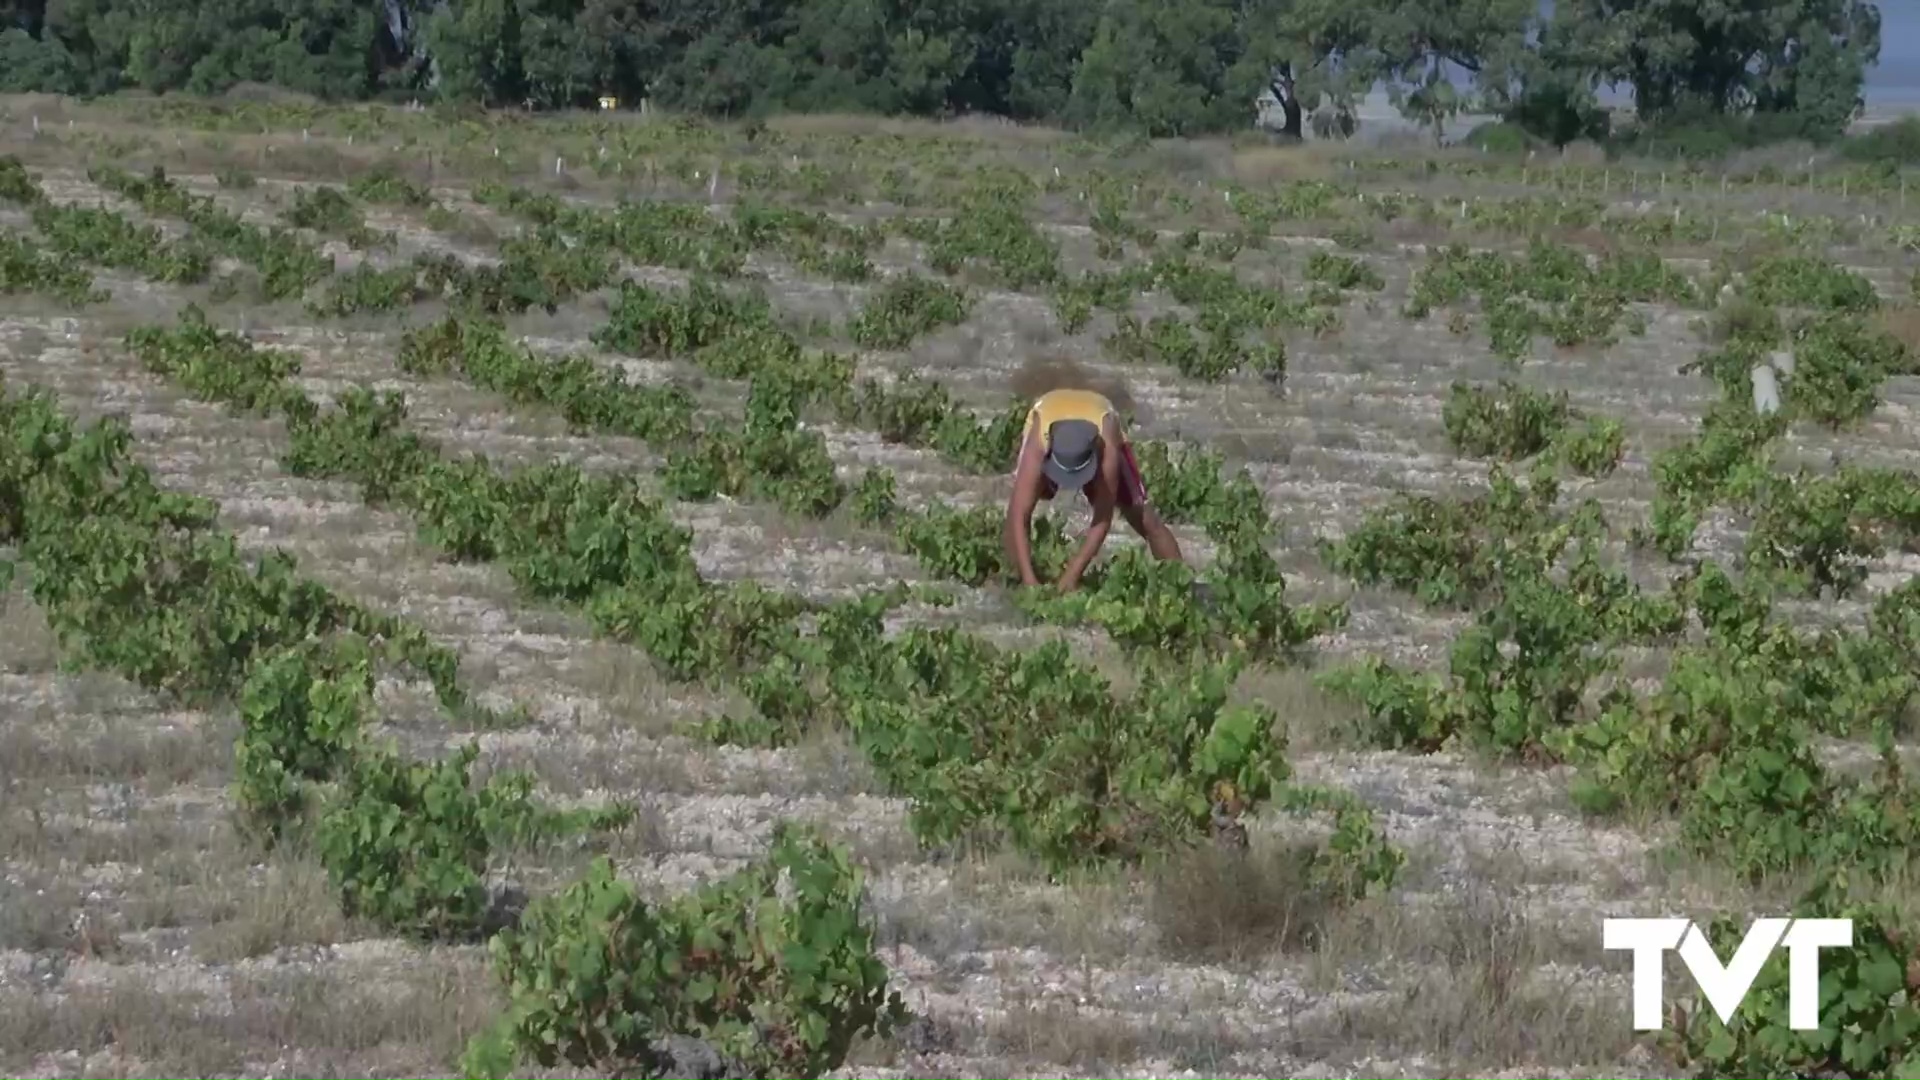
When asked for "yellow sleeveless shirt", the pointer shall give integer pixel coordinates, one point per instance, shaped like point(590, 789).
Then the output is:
point(1057, 405)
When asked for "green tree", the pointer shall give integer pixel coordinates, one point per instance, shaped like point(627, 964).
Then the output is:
point(1688, 58)
point(95, 34)
point(1322, 49)
point(718, 57)
point(561, 64)
point(886, 57)
point(1414, 46)
point(615, 30)
point(1161, 67)
point(36, 65)
point(475, 46)
point(327, 48)
point(1818, 65)
point(324, 48)
point(1025, 56)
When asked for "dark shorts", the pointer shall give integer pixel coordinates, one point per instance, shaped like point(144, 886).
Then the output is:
point(1133, 490)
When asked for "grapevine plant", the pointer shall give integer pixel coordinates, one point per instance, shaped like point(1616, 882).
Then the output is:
point(1725, 743)
point(137, 580)
point(598, 542)
point(1029, 747)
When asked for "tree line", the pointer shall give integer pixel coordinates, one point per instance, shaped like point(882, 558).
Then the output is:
point(1155, 67)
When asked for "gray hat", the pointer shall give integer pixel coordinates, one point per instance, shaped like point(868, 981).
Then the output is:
point(1072, 456)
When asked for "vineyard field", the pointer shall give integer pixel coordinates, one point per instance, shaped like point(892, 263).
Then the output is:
point(638, 512)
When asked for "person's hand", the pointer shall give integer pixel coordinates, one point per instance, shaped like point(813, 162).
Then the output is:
point(1035, 598)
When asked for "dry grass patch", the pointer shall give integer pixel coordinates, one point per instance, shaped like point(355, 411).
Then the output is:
point(626, 685)
point(147, 1026)
point(1102, 1043)
point(1483, 1015)
point(407, 1022)
point(1214, 906)
point(1679, 885)
point(286, 903)
point(1204, 906)
point(71, 828)
point(969, 128)
point(1494, 985)
point(584, 766)
point(976, 904)
point(828, 762)
point(36, 914)
point(1901, 323)
point(1266, 165)
point(40, 745)
point(1312, 718)
point(26, 642)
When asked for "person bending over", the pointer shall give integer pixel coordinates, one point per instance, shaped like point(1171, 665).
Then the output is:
point(1073, 442)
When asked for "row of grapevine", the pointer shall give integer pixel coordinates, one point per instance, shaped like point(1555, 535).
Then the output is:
point(1347, 210)
point(792, 466)
point(1725, 744)
point(1533, 704)
point(286, 264)
point(25, 268)
point(595, 542)
point(992, 242)
point(989, 746)
point(1235, 325)
point(928, 175)
point(1711, 747)
point(1864, 181)
point(100, 237)
point(140, 582)
point(1141, 604)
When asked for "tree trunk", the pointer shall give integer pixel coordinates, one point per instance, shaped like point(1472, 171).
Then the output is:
point(1282, 87)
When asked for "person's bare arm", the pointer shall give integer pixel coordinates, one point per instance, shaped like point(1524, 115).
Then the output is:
point(1020, 504)
point(1105, 496)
